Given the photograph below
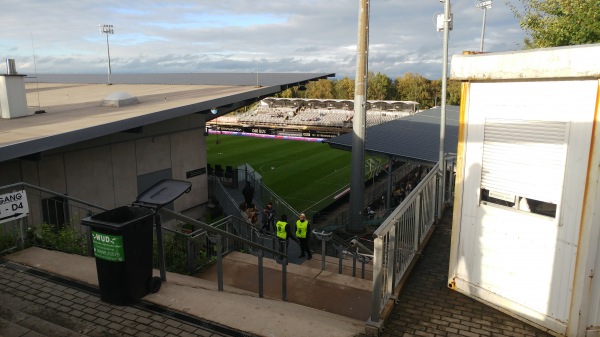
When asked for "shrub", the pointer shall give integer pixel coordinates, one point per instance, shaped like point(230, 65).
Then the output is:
point(7, 240)
point(63, 239)
point(176, 254)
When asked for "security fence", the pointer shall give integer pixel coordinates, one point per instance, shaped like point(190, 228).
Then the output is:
point(374, 191)
point(263, 194)
point(403, 234)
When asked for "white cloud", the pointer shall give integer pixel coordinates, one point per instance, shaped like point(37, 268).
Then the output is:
point(231, 35)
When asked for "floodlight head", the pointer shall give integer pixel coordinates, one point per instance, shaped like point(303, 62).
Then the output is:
point(106, 29)
point(214, 111)
point(484, 4)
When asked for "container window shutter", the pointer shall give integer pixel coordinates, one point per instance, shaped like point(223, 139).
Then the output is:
point(524, 158)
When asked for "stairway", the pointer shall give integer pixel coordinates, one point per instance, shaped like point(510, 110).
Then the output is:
point(307, 285)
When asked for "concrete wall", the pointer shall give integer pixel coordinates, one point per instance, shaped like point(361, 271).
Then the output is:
point(104, 171)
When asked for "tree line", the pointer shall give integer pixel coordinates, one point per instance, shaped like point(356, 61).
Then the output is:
point(410, 87)
point(549, 23)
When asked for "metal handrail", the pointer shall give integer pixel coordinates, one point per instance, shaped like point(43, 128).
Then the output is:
point(219, 233)
point(412, 196)
point(377, 190)
point(66, 196)
point(265, 190)
point(280, 200)
point(216, 231)
point(230, 198)
point(399, 238)
point(73, 204)
point(339, 241)
point(355, 244)
point(206, 228)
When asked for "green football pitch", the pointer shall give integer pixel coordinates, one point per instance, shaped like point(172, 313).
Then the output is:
point(302, 173)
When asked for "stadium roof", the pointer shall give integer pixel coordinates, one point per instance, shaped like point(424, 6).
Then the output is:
point(226, 79)
point(74, 112)
point(413, 138)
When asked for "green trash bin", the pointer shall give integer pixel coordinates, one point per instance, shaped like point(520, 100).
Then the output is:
point(122, 239)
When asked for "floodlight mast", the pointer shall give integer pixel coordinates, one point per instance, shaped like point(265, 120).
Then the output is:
point(442, 173)
point(485, 5)
point(357, 170)
point(107, 29)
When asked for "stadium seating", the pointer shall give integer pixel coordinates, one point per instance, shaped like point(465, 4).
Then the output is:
point(265, 115)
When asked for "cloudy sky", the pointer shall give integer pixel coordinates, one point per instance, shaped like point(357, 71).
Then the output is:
point(236, 35)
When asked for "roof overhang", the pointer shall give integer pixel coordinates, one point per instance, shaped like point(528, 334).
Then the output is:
point(74, 112)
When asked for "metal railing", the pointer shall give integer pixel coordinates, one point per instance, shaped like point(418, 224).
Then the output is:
point(376, 190)
point(338, 247)
point(226, 201)
point(398, 240)
point(229, 235)
point(54, 221)
point(263, 194)
point(329, 244)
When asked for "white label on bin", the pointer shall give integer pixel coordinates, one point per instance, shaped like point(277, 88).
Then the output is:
point(108, 247)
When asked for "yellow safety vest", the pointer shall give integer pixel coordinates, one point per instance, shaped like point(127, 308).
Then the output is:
point(301, 228)
point(281, 233)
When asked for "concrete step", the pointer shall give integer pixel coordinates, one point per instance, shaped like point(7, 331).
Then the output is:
point(324, 290)
point(332, 265)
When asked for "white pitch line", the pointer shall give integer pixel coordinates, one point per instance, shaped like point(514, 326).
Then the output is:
point(334, 172)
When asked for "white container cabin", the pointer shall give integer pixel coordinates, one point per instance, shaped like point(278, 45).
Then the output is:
point(526, 222)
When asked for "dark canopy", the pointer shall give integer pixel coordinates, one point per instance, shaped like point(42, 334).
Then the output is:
point(414, 138)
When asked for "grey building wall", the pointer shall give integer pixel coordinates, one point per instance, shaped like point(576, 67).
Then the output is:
point(105, 170)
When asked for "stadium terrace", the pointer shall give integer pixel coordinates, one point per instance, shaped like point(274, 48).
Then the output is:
point(299, 117)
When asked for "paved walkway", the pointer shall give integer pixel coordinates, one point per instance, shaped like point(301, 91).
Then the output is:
point(185, 300)
point(426, 306)
point(33, 305)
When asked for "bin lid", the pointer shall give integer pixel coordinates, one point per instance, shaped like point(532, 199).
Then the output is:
point(162, 193)
point(118, 218)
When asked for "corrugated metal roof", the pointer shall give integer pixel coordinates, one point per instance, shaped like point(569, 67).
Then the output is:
point(229, 79)
point(415, 138)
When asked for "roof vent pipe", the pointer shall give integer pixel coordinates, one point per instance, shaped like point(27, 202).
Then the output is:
point(13, 101)
point(11, 68)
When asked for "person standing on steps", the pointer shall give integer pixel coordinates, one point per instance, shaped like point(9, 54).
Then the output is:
point(268, 218)
point(303, 234)
point(248, 193)
point(283, 231)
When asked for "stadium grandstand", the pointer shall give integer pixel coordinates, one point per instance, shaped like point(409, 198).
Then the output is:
point(321, 118)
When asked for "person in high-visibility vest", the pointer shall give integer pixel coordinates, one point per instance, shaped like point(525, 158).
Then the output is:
point(283, 232)
point(303, 234)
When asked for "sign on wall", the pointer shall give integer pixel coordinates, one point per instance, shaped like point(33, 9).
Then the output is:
point(13, 206)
